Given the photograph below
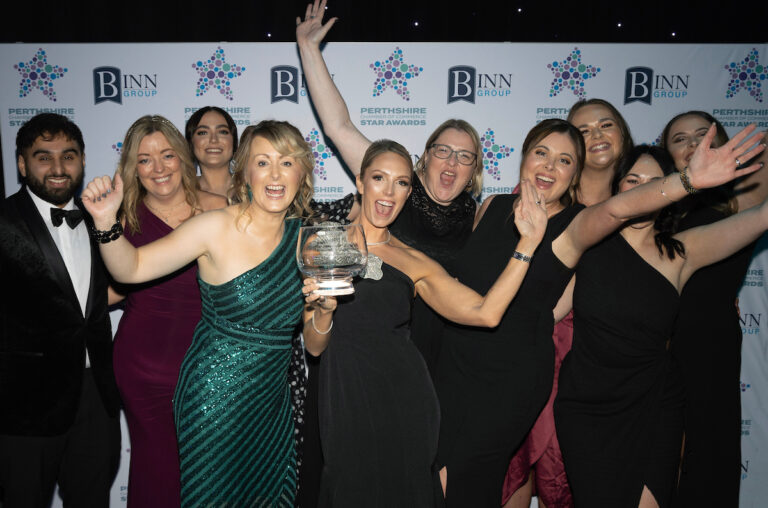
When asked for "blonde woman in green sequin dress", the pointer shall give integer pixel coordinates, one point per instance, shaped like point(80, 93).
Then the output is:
point(232, 403)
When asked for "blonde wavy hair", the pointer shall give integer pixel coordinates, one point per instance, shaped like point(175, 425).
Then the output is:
point(133, 190)
point(288, 141)
point(475, 185)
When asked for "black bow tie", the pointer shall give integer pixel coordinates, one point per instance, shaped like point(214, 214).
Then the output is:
point(73, 217)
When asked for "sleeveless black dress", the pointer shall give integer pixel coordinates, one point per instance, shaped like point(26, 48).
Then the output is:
point(709, 353)
point(492, 383)
point(619, 407)
point(379, 415)
point(439, 231)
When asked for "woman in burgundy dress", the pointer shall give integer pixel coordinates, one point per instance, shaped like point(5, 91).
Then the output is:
point(160, 316)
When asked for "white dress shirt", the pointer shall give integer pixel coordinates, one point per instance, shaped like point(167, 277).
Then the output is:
point(75, 249)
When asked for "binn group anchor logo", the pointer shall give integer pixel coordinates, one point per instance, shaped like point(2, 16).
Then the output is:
point(571, 74)
point(217, 73)
point(38, 73)
point(748, 74)
point(394, 73)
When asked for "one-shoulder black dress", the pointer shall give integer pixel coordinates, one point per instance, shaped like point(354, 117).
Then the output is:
point(492, 383)
point(379, 414)
point(619, 407)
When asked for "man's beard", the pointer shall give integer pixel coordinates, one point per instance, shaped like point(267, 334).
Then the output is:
point(54, 196)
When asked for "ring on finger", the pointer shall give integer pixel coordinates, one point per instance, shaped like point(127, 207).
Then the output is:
point(738, 162)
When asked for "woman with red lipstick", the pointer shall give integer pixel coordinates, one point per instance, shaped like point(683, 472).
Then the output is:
point(513, 362)
point(232, 404)
point(619, 408)
point(707, 340)
point(212, 137)
point(378, 409)
point(538, 460)
point(156, 328)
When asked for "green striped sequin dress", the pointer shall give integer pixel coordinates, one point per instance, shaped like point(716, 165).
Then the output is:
point(232, 404)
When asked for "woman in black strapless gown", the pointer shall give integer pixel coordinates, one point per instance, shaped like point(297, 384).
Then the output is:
point(481, 424)
point(619, 408)
point(379, 413)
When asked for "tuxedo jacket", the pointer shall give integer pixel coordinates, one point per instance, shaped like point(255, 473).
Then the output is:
point(44, 334)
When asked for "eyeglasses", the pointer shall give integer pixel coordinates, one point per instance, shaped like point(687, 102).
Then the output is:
point(444, 152)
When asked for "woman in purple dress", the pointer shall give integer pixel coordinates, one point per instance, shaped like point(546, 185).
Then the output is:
point(161, 192)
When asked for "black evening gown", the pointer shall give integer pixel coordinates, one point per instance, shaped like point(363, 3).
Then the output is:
point(492, 383)
point(709, 353)
point(439, 231)
point(619, 407)
point(379, 415)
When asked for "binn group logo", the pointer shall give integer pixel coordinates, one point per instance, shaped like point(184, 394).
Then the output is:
point(465, 83)
point(393, 72)
point(747, 74)
point(110, 84)
point(642, 84)
point(37, 73)
point(571, 74)
point(286, 84)
point(216, 73)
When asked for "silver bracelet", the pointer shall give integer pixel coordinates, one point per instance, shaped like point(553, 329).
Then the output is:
point(318, 331)
point(518, 255)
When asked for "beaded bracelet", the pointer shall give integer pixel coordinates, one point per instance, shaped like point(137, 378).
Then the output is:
point(522, 257)
point(686, 181)
point(110, 235)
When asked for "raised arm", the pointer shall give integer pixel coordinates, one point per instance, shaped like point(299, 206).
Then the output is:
point(709, 244)
point(460, 304)
point(328, 102)
point(709, 167)
point(128, 264)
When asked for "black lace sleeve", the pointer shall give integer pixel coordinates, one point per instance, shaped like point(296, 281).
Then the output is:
point(336, 211)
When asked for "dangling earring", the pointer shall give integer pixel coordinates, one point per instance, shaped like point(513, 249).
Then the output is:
point(250, 193)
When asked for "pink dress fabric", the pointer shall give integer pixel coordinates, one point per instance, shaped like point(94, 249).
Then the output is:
point(541, 451)
point(154, 334)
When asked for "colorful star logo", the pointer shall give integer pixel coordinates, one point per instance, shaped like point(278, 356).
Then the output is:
point(321, 152)
point(394, 72)
point(38, 73)
point(118, 147)
point(493, 153)
point(571, 74)
point(216, 73)
point(747, 74)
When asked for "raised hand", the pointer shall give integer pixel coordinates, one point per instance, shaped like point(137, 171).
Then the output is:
point(102, 199)
point(311, 31)
point(530, 213)
point(711, 167)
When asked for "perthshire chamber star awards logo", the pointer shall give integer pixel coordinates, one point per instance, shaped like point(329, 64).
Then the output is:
point(748, 75)
point(217, 73)
point(118, 147)
point(571, 74)
point(321, 152)
point(493, 153)
point(39, 74)
point(393, 72)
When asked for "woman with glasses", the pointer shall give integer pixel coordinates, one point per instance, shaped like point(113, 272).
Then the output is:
point(437, 216)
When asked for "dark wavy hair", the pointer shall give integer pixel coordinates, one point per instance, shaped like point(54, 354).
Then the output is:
point(668, 218)
point(47, 126)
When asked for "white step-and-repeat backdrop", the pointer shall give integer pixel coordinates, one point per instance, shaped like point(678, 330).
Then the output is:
point(402, 91)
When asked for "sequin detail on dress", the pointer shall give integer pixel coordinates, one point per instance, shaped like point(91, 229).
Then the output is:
point(233, 404)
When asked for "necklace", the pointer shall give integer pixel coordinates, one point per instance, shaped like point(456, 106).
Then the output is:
point(166, 215)
point(389, 237)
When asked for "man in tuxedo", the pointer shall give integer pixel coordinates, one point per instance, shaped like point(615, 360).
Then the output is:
point(59, 405)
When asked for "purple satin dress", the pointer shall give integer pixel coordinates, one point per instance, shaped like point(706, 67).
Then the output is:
point(154, 334)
